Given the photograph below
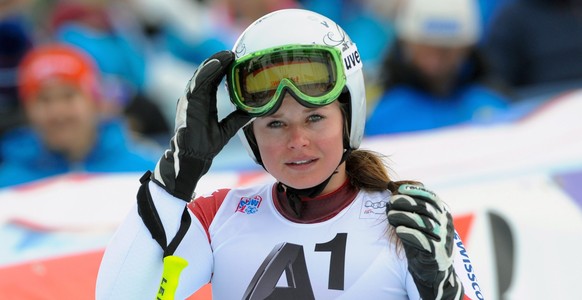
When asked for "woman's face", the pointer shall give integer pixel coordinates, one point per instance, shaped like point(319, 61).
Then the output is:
point(300, 146)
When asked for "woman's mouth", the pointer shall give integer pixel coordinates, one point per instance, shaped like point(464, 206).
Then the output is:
point(301, 162)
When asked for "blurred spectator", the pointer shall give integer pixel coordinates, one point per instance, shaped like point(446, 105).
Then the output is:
point(15, 41)
point(537, 42)
point(108, 32)
point(60, 91)
point(118, 55)
point(434, 76)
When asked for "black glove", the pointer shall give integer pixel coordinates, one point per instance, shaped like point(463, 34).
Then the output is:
point(199, 136)
point(426, 230)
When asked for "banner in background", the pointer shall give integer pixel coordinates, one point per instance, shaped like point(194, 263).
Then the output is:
point(515, 191)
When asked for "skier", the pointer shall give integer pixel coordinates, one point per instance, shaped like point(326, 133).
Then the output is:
point(331, 226)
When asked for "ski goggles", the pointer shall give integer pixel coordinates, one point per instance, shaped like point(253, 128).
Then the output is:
point(313, 74)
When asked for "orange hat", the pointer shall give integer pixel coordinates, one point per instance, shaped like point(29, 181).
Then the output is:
point(57, 61)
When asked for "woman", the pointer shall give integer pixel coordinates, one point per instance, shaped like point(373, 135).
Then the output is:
point(319, 232)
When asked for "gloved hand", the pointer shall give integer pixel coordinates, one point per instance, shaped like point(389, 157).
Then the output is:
point(199, 136)
point(426, 230)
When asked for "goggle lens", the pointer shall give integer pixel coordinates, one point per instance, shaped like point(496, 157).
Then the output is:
point(313, 74)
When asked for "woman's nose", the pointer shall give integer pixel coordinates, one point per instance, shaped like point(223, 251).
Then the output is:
point(298, 137)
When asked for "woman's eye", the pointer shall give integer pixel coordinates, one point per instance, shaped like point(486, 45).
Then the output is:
point(315, 118)
point(275, 124)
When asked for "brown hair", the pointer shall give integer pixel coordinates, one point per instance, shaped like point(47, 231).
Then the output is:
point(369, 170)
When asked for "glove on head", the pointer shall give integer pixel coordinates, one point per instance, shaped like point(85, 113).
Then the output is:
point(199, 136)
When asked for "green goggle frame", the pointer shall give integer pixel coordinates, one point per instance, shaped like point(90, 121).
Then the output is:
point(313, 74)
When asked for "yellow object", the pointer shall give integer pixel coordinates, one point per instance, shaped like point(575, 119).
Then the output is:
point(269, 77)
point(173, 266)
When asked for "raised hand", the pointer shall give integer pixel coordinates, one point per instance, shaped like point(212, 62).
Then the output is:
point(199, 136)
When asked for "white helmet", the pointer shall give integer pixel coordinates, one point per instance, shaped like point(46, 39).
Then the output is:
point(303, 27)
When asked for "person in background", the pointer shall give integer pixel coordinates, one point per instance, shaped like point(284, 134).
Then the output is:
point(118, 51)
point(106, 31)
point(435, 76)
point(330, 225)
point(59, 87)
point(535, 46)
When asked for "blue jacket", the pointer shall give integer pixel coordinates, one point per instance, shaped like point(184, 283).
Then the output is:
point(403, 109)
point(25, 157)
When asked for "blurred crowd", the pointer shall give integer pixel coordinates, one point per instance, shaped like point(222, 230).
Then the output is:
point(91, 85)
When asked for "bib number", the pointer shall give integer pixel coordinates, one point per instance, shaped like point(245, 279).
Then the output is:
point(290, 258)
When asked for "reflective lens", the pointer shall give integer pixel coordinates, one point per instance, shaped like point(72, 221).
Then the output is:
point(313, 74)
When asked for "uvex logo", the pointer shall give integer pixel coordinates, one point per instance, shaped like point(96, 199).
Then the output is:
point(352, 60)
